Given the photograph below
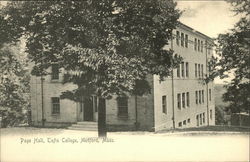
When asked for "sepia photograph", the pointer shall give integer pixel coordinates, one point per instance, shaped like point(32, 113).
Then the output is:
point(125, 80)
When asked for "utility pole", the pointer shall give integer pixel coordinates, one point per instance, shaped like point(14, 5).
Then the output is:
point(207, 82)
point(42, 93)
point(172, 78)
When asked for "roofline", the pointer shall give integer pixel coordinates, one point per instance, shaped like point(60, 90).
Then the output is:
point(195, 31)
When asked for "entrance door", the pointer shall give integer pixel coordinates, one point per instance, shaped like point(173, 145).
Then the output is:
point(88, 110)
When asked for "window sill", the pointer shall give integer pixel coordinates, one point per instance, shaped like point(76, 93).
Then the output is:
point(54, 81)
point(123, 117)
point(55, 115)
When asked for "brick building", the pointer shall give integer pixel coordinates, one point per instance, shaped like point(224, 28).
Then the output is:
point(182, 100)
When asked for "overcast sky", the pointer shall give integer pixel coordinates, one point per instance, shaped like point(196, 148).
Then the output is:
point(208, 17)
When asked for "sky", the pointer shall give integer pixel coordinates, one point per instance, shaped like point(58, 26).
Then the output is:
point(208, 17)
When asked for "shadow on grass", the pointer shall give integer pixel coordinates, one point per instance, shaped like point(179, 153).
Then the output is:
point(211, 129)
point(30, 131)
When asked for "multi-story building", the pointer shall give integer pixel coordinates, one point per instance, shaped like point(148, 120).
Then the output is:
point(181, 100)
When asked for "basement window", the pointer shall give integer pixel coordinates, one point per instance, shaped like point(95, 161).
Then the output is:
point(197, 120)
point(184, 122)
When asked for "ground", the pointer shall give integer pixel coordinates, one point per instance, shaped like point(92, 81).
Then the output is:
point(41, 144)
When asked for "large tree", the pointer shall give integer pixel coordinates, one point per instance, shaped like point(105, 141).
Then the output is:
point(14, 86)
point(14, 76)
point(107, 47)
point(234, 50)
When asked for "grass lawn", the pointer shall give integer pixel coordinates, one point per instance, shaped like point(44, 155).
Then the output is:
point(42, 144)
point(212, 130)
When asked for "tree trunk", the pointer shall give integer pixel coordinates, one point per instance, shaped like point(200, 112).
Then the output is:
point(102, 118)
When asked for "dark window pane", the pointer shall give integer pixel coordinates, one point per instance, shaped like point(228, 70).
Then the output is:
point(55, 105)
point(55, 71)
point(122, 106)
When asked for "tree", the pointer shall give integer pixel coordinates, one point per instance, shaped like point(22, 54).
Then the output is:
point(234, 50)
point(14, 86)
point(220, 118)
point(107, 47)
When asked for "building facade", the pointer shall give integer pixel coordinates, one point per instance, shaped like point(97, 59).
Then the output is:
point(180, 101)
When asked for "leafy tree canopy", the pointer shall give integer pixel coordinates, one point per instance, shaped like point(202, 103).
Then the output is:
point(14, 85)
point(234, 50)
point(106, 46)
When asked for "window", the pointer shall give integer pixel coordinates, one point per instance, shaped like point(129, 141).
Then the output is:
point(197, 120)
point(122, 103)
point(164, 104)
point(211, 115)
point(196, 97)
point(182, 39)
point(178, 71)
point(54, 71)
point(202, 71)
point(184, 122)
point(210, 95)
point(55, 105)
point(180, 124)
point(186, 40)
point(187, 69)
point(179, 100)
point(183, 100)
point(195, 44)
point(201, 46)
point(203, 117)
point(188, 120)
point(199, 97)
point(178, 38)
point(196, 70)
point(198, 45)
point(188, 102)
point(200, 119)
point(202, 94)
point(199, 70)
point(182, 69)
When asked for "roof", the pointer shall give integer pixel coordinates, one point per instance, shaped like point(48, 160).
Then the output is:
point(194, 31)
